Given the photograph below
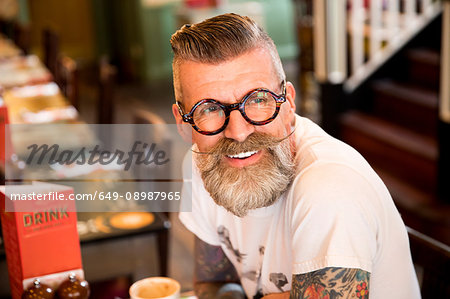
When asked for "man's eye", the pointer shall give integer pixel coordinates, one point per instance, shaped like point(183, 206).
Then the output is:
point(210, 109)
point(258, 101)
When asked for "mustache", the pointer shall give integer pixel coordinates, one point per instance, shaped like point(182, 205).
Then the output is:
point(254, 142)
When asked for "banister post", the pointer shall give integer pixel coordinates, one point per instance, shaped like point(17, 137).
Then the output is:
point(444, 109)
point(330, 58)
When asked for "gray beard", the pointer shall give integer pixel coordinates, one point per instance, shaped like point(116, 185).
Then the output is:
point(240, 190)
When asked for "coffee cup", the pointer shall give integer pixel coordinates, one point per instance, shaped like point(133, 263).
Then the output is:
point(155, 287)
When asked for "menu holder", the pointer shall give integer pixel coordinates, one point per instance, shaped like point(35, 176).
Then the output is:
point(6, 143)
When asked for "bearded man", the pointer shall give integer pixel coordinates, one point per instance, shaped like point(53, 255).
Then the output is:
point(278, 206)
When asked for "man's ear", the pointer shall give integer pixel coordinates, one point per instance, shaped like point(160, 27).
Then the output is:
point(184, 130)
point(290, 95)
point(290, 98)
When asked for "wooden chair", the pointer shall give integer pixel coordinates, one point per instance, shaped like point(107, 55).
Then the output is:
point(107, 79)
point(67, 79)
point(158, 135)
point(51, 50)
point(432, 261)
point(145, 117)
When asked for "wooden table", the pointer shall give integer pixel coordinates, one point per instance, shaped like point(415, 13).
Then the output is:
point(22, 71)
point(42, 103)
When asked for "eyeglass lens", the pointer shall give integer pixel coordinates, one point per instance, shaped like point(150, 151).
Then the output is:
point(259, 107)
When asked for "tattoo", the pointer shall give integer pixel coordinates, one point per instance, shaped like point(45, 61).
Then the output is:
point(331, 283)
point(212, 265)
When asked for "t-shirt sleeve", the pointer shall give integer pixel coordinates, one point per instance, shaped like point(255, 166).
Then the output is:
point(200, 218)
point(333, 222)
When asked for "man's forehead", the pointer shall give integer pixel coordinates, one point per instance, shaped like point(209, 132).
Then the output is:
point(255, 54)
point(254, 67)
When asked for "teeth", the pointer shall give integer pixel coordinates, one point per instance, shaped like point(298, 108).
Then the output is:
point(243, 155)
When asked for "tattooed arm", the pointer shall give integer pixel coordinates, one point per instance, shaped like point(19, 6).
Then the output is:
point(213, 272)
point(331, 283)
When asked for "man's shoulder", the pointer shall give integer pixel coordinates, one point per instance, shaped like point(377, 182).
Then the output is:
point(334, 178)
point(315, 148)
point(337, 180)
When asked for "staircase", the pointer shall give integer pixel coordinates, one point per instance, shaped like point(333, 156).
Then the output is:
point(397, 134)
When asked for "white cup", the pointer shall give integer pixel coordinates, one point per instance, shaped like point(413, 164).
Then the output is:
point(155, 287)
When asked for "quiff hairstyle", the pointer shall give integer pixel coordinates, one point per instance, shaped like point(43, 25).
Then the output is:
point(219, 39)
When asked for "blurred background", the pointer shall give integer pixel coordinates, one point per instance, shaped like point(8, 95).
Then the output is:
point(373, 73)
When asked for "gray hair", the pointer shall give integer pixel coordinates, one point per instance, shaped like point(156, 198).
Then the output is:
point(219, 39)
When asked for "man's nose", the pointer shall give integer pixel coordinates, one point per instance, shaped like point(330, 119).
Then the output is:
point(238, 128)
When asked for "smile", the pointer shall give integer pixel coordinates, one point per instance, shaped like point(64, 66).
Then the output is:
point(242, 155)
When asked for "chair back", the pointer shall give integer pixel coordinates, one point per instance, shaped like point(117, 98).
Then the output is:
point(22, 36)
point(107, 80)
point(146, 117)
point(158, 176)
point(432, 261)
point(51, 50)
point(67, 79)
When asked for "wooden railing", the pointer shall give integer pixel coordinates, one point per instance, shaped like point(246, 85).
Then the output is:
point(377, 29)
point(354, 38)
point(444, 107)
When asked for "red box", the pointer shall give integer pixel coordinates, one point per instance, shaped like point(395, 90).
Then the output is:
point(40, 236)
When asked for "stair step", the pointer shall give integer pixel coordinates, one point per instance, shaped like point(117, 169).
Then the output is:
point(424, 67)
point(407, 105)
point(419, 210)
point(401, 152)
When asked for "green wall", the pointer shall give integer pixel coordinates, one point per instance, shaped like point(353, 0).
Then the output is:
point(137, 36)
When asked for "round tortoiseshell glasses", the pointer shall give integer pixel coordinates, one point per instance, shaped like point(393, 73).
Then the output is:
point(258, 107)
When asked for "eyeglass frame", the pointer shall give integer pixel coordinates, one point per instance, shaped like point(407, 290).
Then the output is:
point(279, 99)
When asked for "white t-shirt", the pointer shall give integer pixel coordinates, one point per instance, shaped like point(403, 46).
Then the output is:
point(337, 213)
